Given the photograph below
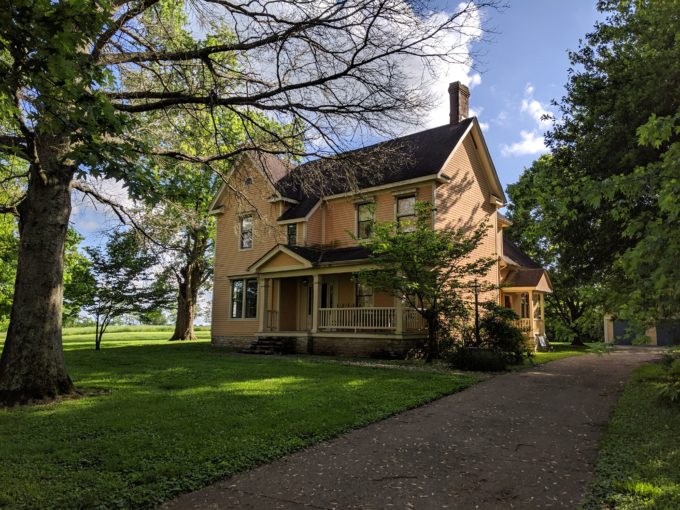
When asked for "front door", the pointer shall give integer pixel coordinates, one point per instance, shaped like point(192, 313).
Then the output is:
point(305, 305)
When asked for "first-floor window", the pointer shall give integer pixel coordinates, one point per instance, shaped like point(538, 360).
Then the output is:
point(364, 295)
point(244, 299)
point(508, 302)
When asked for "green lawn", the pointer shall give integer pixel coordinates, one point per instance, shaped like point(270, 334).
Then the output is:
point(162, 418)
point(639, 462)
point(561, 350)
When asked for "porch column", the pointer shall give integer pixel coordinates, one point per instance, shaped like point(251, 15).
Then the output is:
point(316, 302)
point(398, 316)
point(262, 299)
point(532, 313)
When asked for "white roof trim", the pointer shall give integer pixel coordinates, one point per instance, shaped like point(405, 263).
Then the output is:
point(279, 248)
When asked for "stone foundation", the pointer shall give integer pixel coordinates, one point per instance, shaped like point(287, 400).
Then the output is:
point(357, 346)
point(234, 342)
point(332, 346)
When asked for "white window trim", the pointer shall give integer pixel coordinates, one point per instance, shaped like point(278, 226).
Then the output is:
point(240, 231)
point(243, 303)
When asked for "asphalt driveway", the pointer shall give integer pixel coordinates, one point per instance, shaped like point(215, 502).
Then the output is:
point(522, 440)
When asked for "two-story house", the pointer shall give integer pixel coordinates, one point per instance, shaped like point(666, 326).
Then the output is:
point(286, 254)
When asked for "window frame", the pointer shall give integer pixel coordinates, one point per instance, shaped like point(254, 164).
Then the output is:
point(370, 222)
point(293, 227)
point(399, 216)
point(241, 241)
point(246, 305)
point(358, 295)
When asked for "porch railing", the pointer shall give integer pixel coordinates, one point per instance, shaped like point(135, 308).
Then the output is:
point(524, 325)
point(357, 318)
point(413, 321)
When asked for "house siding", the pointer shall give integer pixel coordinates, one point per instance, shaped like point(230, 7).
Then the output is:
point(464, 202)
point(230, 260)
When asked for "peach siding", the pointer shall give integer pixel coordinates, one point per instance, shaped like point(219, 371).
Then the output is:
point(464, 201)
point(315, 227)
point(341, 215)
point(230, 260)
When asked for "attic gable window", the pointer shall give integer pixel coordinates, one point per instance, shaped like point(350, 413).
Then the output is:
point(406, 213)
point(365, 220)
point(246, 231)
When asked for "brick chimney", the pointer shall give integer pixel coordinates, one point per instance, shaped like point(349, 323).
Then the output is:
point(459, 96)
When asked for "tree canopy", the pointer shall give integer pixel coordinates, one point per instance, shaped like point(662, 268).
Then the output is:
point(599, 207)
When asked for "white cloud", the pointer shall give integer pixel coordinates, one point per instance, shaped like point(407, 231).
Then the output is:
point(535, 109)
point(531, 143)
point(484, 125)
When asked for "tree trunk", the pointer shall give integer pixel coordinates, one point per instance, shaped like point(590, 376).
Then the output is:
point(32, 365)
point(186, 307)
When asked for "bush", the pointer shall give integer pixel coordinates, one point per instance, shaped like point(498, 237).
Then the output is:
point(497, 332)
point(477, 358)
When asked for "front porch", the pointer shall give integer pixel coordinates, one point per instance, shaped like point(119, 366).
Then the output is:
point(328, 304)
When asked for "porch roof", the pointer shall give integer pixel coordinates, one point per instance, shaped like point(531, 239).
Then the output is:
point(528, 278)
point(297, 257)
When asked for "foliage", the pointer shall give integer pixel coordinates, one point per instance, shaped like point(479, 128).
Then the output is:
point(541, 228)
point(123, 282)
point(498, 332)
point(431, 270)
point(604, 212)
point(468, 357)
point(500, 342)
point(638, 466)
point(157, 419)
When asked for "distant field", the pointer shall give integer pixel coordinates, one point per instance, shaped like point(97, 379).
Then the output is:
point(120, 336)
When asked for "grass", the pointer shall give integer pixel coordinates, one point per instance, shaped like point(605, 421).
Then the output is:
point(560, 350)
point(163, 418)
point(639, 462)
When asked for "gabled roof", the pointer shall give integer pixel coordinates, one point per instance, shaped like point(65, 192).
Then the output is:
point(424, 152)
point(524, 272)
point(517, 257)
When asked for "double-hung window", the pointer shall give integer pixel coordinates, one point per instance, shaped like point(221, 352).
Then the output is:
point(291, 233)
point(244, 299)
point(365, 220)
point(246, 231)
point(406, 213)
point(364, 295)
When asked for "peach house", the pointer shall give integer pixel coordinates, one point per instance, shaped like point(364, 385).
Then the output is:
point(285, 256)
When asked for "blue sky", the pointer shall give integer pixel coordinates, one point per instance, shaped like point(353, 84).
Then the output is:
point(521, 67)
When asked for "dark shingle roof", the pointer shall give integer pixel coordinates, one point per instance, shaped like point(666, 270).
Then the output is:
point(524, 277)
point(422, 154)
point(517, 256)
point(320, 255)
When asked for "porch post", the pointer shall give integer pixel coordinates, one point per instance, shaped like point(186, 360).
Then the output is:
point(542, 297)
point(532, 313)
point(262, 303)
point(398, 316)
point(316, 302)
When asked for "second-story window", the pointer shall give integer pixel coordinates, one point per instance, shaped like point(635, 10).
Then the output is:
point(406, 213)
point(246, 231)
point(364, 220)
point(291, 234)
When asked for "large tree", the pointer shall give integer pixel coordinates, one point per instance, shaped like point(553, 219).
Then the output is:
point(606, 186)
point(68, 108)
